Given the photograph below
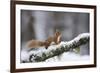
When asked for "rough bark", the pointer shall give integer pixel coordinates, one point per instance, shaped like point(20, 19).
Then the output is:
point(55, 50)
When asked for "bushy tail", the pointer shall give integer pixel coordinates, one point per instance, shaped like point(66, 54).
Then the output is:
point(35, 44)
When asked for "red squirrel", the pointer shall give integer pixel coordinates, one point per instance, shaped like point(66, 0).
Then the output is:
point(36, 43)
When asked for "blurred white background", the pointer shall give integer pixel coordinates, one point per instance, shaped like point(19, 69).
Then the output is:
point(5, 36)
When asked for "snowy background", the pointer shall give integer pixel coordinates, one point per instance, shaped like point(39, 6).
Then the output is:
point(40, 25)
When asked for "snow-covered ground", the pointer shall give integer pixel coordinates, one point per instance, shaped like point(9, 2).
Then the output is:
point(69, 56)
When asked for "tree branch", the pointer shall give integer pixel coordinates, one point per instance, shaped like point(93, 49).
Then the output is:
point(55, 50)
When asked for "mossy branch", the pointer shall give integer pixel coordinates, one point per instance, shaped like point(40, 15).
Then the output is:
point(55, 50)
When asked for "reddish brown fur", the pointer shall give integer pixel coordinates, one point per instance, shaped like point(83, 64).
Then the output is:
point(35, 43)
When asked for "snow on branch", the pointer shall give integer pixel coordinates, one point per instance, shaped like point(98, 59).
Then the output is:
point(55, 50)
